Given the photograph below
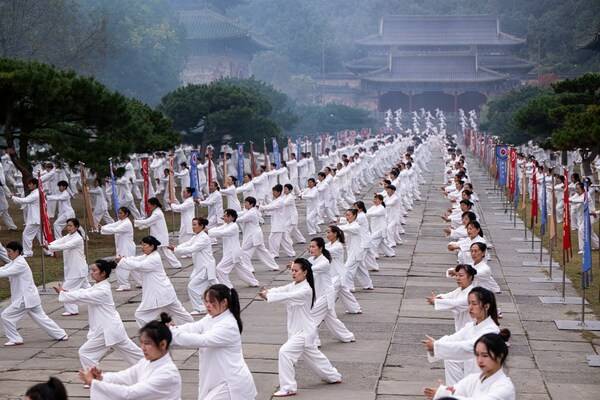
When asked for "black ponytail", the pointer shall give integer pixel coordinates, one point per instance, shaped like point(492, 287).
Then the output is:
point(158, 331)
point(495, 345)
point(105, 266)
point(487, 297)
point(53, 389)
point(339, 234)
point(305, 265)
point(321, 245)
point(220, 292)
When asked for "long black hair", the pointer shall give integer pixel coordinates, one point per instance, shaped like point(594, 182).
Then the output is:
point(487, 297)
point(305, 265)
point(339, 234)
point(76, 224)
point(220, 292)
point(105, 266)
point(155, 202)
point(158, 331)
point(53, 389)
point(477, 226)
point(360, 205)
point(321, 245)
point(495, 344)
point(151, 240)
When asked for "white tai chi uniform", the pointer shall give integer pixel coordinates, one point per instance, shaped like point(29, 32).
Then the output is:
point(279, 235)
point(232, 200)
point(125, 247)
point(290, 209)
point(188, 212)
point(336, 249)
point(214, 202)
point(302, 336)
point(4, 214)
point(457, 349)
point(76, 267)
point(456, 301)
point(199, 247)
point(24, 299)
point(100, 206)
point(31, 211)
point(223, 373)
point(377, 217)
point(158, 293)
point(65, 211)
point(158, 228)
point(324, 307)
point(354, 264)
point(473, 387)
point(253, 241)
point(106, 328)
point(232, 253)
point(311, 195)
point(146, 380)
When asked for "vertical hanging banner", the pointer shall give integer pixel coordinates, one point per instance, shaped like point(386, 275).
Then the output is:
point(171, 182)
point(501, 161)
point(276, 153)
point(194, 173)
point(145, 185)
point(586, 265)
point(240, 163)
point(252, 160)
point(298, 149)
point(113, 185)
point(47, 236)
point(87, 200)
point(544, 211)
point(209, 155)
point(566, 235)
point(512, 176)
point(267, 162)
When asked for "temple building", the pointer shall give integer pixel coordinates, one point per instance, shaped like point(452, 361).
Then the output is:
point(445, 62)
point(216, 45)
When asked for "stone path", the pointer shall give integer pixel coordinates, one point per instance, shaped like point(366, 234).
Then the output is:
point(386, 362)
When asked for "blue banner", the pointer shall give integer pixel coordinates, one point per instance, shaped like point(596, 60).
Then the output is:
point(240, 163)
point(586, 265)
point(517, 189)
point(544, 207)
point(276, 154)
point(194, 173)
point(501, 163)
point(113, 185)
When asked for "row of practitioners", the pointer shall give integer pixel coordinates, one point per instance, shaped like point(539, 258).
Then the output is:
point(474, 354)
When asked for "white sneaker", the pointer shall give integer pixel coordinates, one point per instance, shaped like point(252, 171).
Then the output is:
point(123, 288)
point(9, 343)
point(283, 393)
point(68, 314)
point(196, 313)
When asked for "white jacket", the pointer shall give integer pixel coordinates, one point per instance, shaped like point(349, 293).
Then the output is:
point(298, 299)
point(456, 301)
point(232, 200)
point(200, 248)
point(220, 354)
point(157, 224)
point(72, 246)
point(280, 219)
point(103, 317)
point(188, 212)
point(157, 289)
point(336, 249)
point(289, 200)
point(63, 199)
point(377, 217)
point(22, 286)
point(352, 233)
point(496, 387)
point(249, 221)
point(214, 202)
point(123, 231)
point(231, 239)
point(146, 380)
point(31, 204)
point(321, 268)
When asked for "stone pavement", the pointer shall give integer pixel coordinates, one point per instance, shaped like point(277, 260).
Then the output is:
point(387, 361)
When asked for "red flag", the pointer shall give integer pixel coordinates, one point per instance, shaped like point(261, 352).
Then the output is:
point(209, 154)
point(47, 236)
point(146, 185)
point(566, 214)
point(534, 197)
point(252, 160)
point(87, 200)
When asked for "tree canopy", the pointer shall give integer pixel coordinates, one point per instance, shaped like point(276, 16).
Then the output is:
point(331, 118)
point(73, 118)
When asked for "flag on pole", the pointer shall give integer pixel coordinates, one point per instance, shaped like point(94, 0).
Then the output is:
point(240, 163)
point(566, 215)
point(517, 193)
point(146, 185)
point(586, 266)
point(544, 218)
point(171, 182)
point(534, 198)
point(194, 173)
point(252, 160)
point(87, 200)
point(267, 163)
point(47, 236)
point(209, 154)
point(113, 185)
point(553, 210)
point(298, 148)
point(276, 153)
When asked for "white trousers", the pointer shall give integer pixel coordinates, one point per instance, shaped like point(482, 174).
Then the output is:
point(60, 223)
point(369, 261)
point(282, 239)
point(74, 284)
point(102, 216)
point(346, 297)
point(580, 237)
point(295, 234)
point(380, 244)
point(169, 257)
point(290, 353)
point(356, 269)
point(454, 371)
point(31, 231)
point(94, 349)
point(196, 287)
point(132, 209)
point(321, 312)
point(7, 219)
point(219, 392)
point(175, 310)
point(123, 277)
point(312, 222)
point(226, 265)
point(248, 251)
point(13, 314)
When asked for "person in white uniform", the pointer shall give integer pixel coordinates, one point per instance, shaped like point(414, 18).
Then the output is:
point(31, 212)
point(229, 191)
point(154, 377)
point(223, 373)
point(311, 195)
point(99, 204)
point(280, 218)
point(187, 209)
point(75, 265)
point(253, 240)
point(377, 216)
point(324, 307)
point(4, 212)
point(335, 246)
point(106, 329)
point(457, 349)
point(124, 246)
point(354, 266)
point(299, 298)
point(184, 177)
point(214, 202)
point(290, 204)
point(65, 210)
point(24, 299)
point(199, 247)
point(456, 301)
point(158, 229)
point(232, 252)
point(491, 352)
point(158, 293)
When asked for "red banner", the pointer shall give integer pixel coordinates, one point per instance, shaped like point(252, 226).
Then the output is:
point(534, 196)
point(47, 236)
point(146, 185)
point(252, 160)
point(512, 170)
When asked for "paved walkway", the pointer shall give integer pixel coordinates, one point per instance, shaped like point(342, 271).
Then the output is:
point(387, 361)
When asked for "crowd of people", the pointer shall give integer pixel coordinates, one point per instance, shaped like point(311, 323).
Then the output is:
point(345, 239)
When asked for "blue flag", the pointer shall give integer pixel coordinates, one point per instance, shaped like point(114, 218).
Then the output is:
point(240, 162)
point(194, 173)
point(501, 162)
point(544, 219)
point(586, 266)
point(517, 190)
point(113, 185)
point(276, 154)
